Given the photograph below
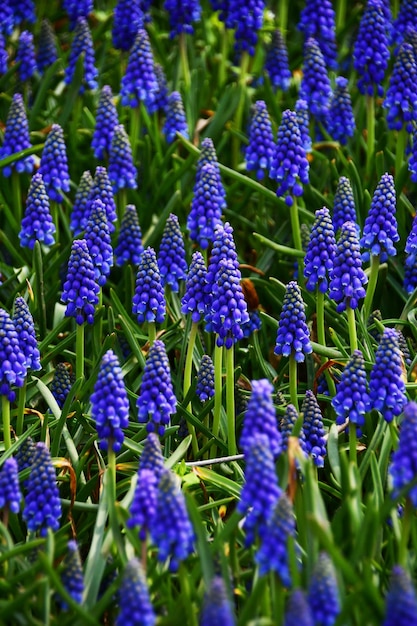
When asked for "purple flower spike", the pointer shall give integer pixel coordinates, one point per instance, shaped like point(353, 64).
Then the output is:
point(72, 576)
point(12, 359)
point(217, 608)
point(401, 97)
point(175, 122)
point(25, 328)
point(317, 20)
point(205, 379)
point(42, 505)
point(313, 429)
point(315, 85)
point(260, 417)
point(129, 247)
point(406, 18)
point(371, 53)
point(289, 164)
point(344, 209)
point(303, 119)
point(293, 336)
point(47, 48)
point(16, 138)
point(151, 457)
point(82, 44)
point(37, 224)
point(25, 56)
point(110, 404)
point(6, 18)
point(206, 207)
point(97, 236)
point(76, 9)
point(320, 253)
point(156, 401)
point(54, 164)
point(286, 427)
point(261, 148)
point(80, 208)
point(80, 291)
point(410, 265)
point(10, 494)
point(403, 468)
point(171, 257)
point(195, 299)
point(208, 155)
point(143, 507)
point(102, 189)
point(134, 601)
point(247, 19)
point(298, 612)
point(347, 278)
point(122, 170)
point(380, 229)
point(323, 593)
point(149, 300)
point(4, 57)
point(23, 11)
point(106, 121)
point(61, 384)
point(182, 14)
point(139, 84)
point(162, 93)
point(386, 383)
point(340, 120)
point(127, 21)
point(351, 397)
point(412, 164)
point(401, 600)
point(276, 62)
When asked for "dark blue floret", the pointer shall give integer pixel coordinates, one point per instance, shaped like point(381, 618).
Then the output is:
point(298, 612)
point(122, 170)
point(128, 20)
point(403, 468)
point(106, 121)
point(82, 44)
point(25, 56)
point(148, 303)
point(171, 256)
point(156, 400)
point(134, 601)
point(260, 150)
point(206, 207)
point(318, 262)
point(76, 9)
point(182, 14)
point(293, 336)
point(10, 494)
point(139, 84)
point(323, 593)
point(37, 224)
point(42, 505)
point(176, 121)
point(16, 138)
point(195, 299)
point(340, 119)
point(217, 609)
point(313, 429)
point(47, 53)
point(54, 164)
point(97, 236)
point(401, 97)
point(80, 209)
point(129, 247)
point(72, 575)
point(25, 328)
point(401, 600)
point(12, 359)
point(344, 209)
point(143, 507)
point(276, 62)
point(303, 119)
point(102, 189)
point(317, 20)
point(205, 379)
point(286, 428)
point(351, 397)
point(61, 383)
point(23, 11)
point(315, 86)
point(371, 53)
point(347, 278)
point(253, 324)
point(260, 417)
point(380, 229)
point(80, 291)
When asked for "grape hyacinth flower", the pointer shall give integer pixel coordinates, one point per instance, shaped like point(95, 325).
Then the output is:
point(260, 417)
point(401, 599)
point(276, 62)
point(54, 164)
point(4, 57)
point(315, 86)
point(25, 56)
point(97, 236)
point(380, 229)
point(23, 11)
point(149, 300)
point(321, 249)
point(224, 248)
point(82, 45)
point(293, 336)
point(47, 48)
point(260, 150)
point(25, 453)
point(313, 429)
point(371, 52)
point(298, 612)
point(129, 246)
point(10, 494)
point(77, 9)
point(122, 170)
point(260, 491)
point(182, 14)
point(406, 18)
point(171, 256)
point(348, 278)
point(143, 507)
point(205, 379)
point(247, 20)
point(403, 467)
point(79, 214)
point(323, 593)
point(139, 84)
point(303, 119)
point(102, 189)
point(6, 19)
point(195, 300)
point(344, 209)
point(340, 121)
point(110, 404)
point(206, 207)
point(25, 328)
point(401, 97)
point(37, 224)
point(412, 163)
point(42, 504)
point(286, 428)
point(175, 122)
point(386, 383)
point(217, 608)
point(208, 155)
point(289, 164)
point(151, 457)
point(156, 400)
point(351, 396)
point(162, 94)
point(171, 531)
point(410, 263)
point(16, 138)
point(72, 575)
point(317, 20)
point(80, 290)
point(127, 21)
point(61, 383)
point(12, 358)
point(134, 601)
point(106, 121)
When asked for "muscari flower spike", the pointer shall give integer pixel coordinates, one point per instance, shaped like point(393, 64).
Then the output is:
point(344, 209)
point(260, 150)
point(208, 155)
point(298, 612)
point(106, 121)
point(340, 120)
point(134, 601)
point(127, 21)
point(321, 249)
point(12, 358)
point(206, 207)
point(54, 164)
point(276, 62)
point(386, 383)
point(182, 14)
point(403, 467)
point(80, 290)
point(110, 404)
point(77, 9)
point(286, 428)
point(303, 119)
point(47, 48)
point(129, 246)
point(171, 530)
point(323, 592)
point(151, 457)
point(401, 600)
point(82, 44)
point(156, 400)
point(72, 576)
point(371, 52)
point(4, 57)
point(10, 494)
point(139, 84)
point(97, 236)
point(25, 56)
point(122, 170)
point(347, 278)
point(351, 396)
point(148, 302)
point(401, 97)
point(143, 507)
point(161, 95)
point(224, 248)
point(79, 213)
point(293, 336)
point(37, 224)
point(171, 256)
point(406, 18)
point(260, 417)
point(102, 189)
point(410, 264)
point(205, 379)
point(16, 138)
point(6, 18)
point(23, 11)
point(261, 490)
point(42, 504)
point(61, 383)
point(217, 608)
point(25, 453)
point(289, 164)
point(412, 163)
point(175, 121)
point(315, 86)
point(380, 230)
point(247, 18)
point(317, 20)
point(25, 328)
point(195, 300)
point(313, 429)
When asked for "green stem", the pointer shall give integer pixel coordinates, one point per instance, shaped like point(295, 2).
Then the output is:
point(293, 380)
point(151, 332)
point(283, 17)
point(244, 64)
point(405, 535)
point(230, 400)
point(218, 355)
point(184, 61)
point(296, 235)
point(111, 500)
point(370, 125)
point(370, 290)
point(17, 197)
point(352, 329)
point(223, 55)
point(134, 130)
point(79, 351)
point(399, 150)
point(21, 408)
point(340, 15)
point(187, 380)
point(189, 609)
point(352, 444)
point(5, 412)
point(121, 203)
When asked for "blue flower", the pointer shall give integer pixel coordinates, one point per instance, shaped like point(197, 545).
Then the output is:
point(340, 120)
point(410, 264)
point(106, 121)
point(195, 299)
point(317, 20)
point(47, 53)
point(217, 608)
point(406, 18)
point(260, 417)
point(293, 336)
point(303, 119)
point(401, 97)
point(156, 400)
point(143, 507)
point(97, 236)
point(412, 164)
point(287, 426)
point(323, 593)
point(23, 11)
point(10, 494)
point(80, 208)
point(72, 575)
point(298, 612)
point(175, 122)
point(25, 328)
point(182, 13)
point(313, 429)
point(320, 252)
point(127, 20)
point(380, 229)
point(148, 302)
point(42, 505)
point(129, 247)
point(6, 18)
point(12, 359)
point(401, 600)
point(76, 9)
point(25, 56)
point(139, 84)
point(161, 95)
point(260, 150)
point(37, 224)
point(82, 44)
point(102, 189)
point(276, 62)
point(61, 383)
point(171, 256)
point(403, 467)
point(16, 138)
point(122, 170)
point(151, 457)
point(54, 164)
point(205, 379)
point(351, 397)
point(224, 248)
point(206, 207)
point(247, 18)
point(371, 52)
point(347, 278)
point(134, 601)
point(208, 155)
point(344, 209)
point(80, 290)
point(4, 57)
point(315, 86)
point(25, 454)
